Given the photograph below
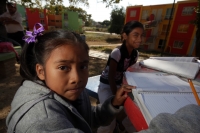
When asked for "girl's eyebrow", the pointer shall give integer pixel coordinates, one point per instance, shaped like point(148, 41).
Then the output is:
point(69, 61)
point(137, 33)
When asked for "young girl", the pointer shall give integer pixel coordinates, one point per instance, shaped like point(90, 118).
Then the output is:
point(119, 60)
point(52, 97)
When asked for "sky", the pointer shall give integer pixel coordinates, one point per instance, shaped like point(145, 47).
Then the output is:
point(100, 13)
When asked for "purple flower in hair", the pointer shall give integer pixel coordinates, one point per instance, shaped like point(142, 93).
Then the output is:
point(30, 36)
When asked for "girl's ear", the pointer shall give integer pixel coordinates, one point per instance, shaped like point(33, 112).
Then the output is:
point(40, 71)
point(124, 36)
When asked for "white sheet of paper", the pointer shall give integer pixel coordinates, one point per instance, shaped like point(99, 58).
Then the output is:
point(157, 103)
point(184, 69)
point(158, 82)
point(178, 59)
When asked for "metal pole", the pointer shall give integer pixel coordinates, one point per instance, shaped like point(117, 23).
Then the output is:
point(168, 27)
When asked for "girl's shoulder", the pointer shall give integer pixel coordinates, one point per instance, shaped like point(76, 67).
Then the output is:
point(116, 53)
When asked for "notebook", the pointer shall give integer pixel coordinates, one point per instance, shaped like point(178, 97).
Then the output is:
point(186, 67)
point(157, 93)
point(176, 59)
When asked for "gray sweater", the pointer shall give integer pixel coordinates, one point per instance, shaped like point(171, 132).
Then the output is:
point(55, 114)
point(185, 120)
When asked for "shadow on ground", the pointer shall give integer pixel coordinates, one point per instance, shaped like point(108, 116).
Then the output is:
point(8, 87)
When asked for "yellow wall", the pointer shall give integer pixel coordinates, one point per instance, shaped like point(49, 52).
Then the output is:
point(162, 22)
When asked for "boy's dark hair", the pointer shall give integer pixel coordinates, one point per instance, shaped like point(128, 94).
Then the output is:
point(39, 51)
point(12, 4)
point(129, 26)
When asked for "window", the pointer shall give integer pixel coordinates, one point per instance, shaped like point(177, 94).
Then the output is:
point(65, 16)
point(161, 43)
point(188, 10)
point(164, 30)
point(66, 24)
point(41, 15)
point(144, 14)
point(178, 44)
point(133, 13)
point(42, 21)
point(168, 13)
point(183, 28)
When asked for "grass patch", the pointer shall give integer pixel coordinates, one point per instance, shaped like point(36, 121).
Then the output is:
point(99, 37)
point(115, 39)
point(144, 54)
point(95, 29)
point(106, 49)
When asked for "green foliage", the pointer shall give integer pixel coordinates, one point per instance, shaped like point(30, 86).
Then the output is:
point(106, 23)
point(111, 2)
point(88, 23)
point(117, 20)
point(34, 3)
point(95, 29)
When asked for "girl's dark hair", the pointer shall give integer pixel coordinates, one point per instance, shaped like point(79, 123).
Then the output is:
point(39, 51)
point(129, 26)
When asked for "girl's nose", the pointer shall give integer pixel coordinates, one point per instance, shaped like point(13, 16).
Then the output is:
point(75, 77)
point(140, 38)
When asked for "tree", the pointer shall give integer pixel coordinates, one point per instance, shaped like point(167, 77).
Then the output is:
point(106, 23)
point(117, 20)
point(37, 3)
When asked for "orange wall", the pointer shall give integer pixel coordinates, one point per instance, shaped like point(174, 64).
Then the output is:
point(33, 17)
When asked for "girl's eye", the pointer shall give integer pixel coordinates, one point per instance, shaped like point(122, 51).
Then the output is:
point(84, 67)
point(135, 35)
point(64, 68)
point(143, 35)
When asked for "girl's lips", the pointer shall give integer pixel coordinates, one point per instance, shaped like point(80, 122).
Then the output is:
point(74, 90)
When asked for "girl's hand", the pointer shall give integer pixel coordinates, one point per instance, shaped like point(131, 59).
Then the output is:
point(121, 95)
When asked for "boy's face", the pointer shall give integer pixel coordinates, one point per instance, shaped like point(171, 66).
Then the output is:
point(11, 9)
point(66, 71)
point(135, 37)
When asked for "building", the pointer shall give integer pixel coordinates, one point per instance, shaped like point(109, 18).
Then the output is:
point(167, 26)
point(37, 16)
point(182, 33)
point(68, 20)
point(54, 21)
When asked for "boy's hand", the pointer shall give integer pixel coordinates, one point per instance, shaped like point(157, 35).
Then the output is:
point(121, 95)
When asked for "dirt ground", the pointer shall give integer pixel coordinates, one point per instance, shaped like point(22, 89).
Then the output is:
point(9, 86)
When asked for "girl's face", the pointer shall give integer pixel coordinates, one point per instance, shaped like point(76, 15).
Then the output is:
point(134, 39)
point(66, 71)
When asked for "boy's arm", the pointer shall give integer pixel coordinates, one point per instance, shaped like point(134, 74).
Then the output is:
point(111, 75)
point(10, 21)
point(2, 19)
